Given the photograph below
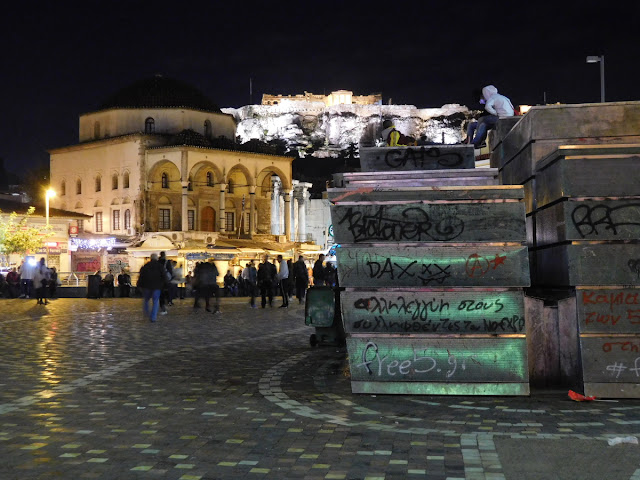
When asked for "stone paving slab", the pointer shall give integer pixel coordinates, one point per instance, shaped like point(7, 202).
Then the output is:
point(91, 389)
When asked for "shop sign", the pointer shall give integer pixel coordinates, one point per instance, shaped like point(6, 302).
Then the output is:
point(198, 256)
point(223, 256)
point(85, 263)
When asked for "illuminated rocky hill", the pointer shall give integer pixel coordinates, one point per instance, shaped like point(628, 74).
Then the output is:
point(313, 127)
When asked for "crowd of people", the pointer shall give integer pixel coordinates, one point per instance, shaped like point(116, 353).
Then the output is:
point(30, 280)
point(268, 281)
point(162, 280)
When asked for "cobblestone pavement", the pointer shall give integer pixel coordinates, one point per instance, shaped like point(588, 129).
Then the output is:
point(91, 389)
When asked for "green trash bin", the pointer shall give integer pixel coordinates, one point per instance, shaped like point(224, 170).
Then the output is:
point(322, 311)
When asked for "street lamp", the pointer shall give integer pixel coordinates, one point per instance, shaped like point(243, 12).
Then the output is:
point(49, 194)
point(596, 59)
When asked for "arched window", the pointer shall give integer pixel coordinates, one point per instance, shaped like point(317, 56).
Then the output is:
point(149, 125)
point(114, 181)
point(207, 129)
point(127, 219)
point(96, 130)
point(230, 186)
point(78, 187)
point(165, 180)
point(63, 188)
point(209, 179)
point(98, 183)
point(125, 180)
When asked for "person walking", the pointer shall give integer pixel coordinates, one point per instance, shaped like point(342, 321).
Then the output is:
point(165, 299)
point(41, 281)
point(206, 282)
point(250, 277)
point(266, 278)
point(152, 280)
point(283, 280)
point(292, 286)
point(176, 280)
point(301, 276)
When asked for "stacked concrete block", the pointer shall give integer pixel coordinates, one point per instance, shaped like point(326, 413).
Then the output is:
point(579, 165)
point(433, 265)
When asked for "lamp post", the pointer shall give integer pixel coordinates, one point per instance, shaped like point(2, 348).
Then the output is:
point(49, 194)
point(600, 59)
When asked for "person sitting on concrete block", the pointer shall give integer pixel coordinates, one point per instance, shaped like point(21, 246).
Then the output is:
point(497, 106)
point(393, 138)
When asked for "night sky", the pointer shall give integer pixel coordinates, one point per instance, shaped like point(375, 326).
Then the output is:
point(60, 60)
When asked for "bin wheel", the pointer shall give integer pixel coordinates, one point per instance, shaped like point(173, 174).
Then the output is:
point(313, 340)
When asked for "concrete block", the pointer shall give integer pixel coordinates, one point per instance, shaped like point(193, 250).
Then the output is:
point(556, 122)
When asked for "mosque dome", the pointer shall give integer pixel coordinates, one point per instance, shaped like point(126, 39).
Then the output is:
point(160, 92)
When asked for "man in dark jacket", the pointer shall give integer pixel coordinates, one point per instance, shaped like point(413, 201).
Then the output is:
point(266, 278)
point(301, 274)
point(206, 283)
point(152, 280)
point(124, 283)
point(319, 271)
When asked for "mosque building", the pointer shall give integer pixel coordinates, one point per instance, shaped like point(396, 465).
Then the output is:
point(156, 168)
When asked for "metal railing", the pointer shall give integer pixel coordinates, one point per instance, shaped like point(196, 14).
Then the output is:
point(79, 279)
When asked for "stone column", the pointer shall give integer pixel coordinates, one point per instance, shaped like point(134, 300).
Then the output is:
point(252, 210)
point(295, 228)
point(185, 206)
point(275, 206)
point(302, 216)
point(222, 219)
point(287, 214)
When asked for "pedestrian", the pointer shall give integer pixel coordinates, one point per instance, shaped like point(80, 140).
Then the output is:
point(266, 278)
point(54, 281)
point(206, 283)
point(108, 285)
point(124, 284)
point(164, 295)
point(152, 281)
point(301, 275)
point(13, 280)
point(242, 287)
point(27, 271)
point(318, 271)
point(291, 284)
point(283, 280)
point(177, 280)
point(330, 275)
point(4, 286)
point(497, 106)
point(41, 281)
point(188, 284)
point(250, 277)
point(99, 283)
point(230, 285)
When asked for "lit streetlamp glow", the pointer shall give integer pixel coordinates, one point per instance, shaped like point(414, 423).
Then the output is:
point(49, 194)
point(599, 59)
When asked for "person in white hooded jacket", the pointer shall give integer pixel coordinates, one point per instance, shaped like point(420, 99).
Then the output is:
point(497, 106)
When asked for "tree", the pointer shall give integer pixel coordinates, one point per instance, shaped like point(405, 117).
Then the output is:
point(16, 236)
